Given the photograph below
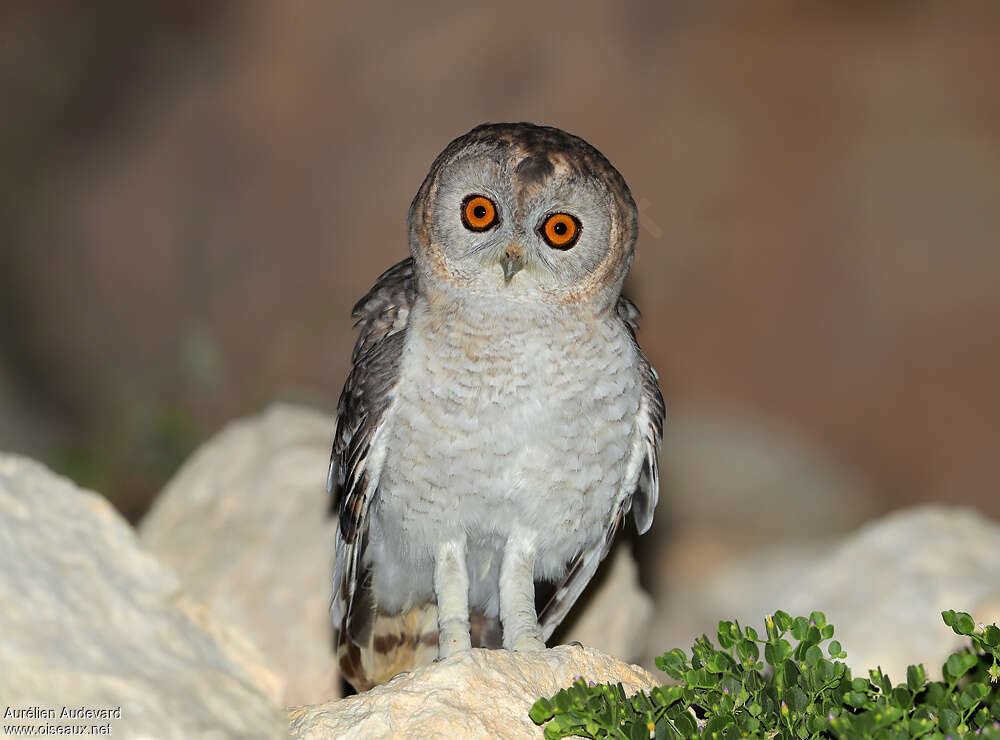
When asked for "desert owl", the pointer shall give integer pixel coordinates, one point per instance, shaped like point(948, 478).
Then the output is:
point(499, 418)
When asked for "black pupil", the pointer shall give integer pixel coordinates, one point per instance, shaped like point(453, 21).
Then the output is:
point(479, 211)
point(560, 228)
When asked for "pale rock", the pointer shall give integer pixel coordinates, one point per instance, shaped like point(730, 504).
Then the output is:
point(884, 587)
point(245, 524)
point(477, 694)
point(92, 620)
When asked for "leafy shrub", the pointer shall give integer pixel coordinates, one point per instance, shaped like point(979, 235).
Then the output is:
point(728, 692)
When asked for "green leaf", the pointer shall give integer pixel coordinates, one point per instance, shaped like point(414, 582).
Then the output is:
point(685, 724)
point(966, 624)
point(816, 723)
point(826, 631)
point(901, 697)
point(834, 649)
point(958, 665)
point(800, 625)
point(855, 698)
point(813, 655)
point(674, 663)
point(726, 635)
point(796, 699)
point(541, 711)
point(789, 673)
point(972, 695)
point(992, 635)
point(751, 633)
point(824, 670)
point(747, 650)
point(916, 676)
point(949, 721)
point(771, 654)
point(667, 695)
point(718, 725)
point(960, 622)
point(783, 621)
point(718, 663)
point(639, 731)
point(881, 680)
point(813, 636)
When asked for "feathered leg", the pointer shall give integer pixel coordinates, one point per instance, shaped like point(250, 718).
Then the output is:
point(517, 595)
point(451, 585)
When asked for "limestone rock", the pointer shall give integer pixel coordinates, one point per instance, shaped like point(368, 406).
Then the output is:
point(481, 693)
point(885, 586)
point(90, 619)
point(245, 525)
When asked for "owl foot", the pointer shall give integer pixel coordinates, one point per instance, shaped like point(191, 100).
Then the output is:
point(528, 644)
point(452, 642)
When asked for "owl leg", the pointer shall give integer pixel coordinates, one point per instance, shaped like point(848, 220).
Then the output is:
point(517, 596)
point(451, 585)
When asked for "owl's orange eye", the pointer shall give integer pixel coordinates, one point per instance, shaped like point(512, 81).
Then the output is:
point(560, 230)
point(478, 213)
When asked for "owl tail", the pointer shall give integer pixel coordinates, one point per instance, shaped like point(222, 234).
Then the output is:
point(400, 642)
point(391, 645)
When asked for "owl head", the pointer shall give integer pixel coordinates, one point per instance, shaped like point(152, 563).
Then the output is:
point(525, 213)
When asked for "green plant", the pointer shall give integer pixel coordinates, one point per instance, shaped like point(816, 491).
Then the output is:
point(728, 692)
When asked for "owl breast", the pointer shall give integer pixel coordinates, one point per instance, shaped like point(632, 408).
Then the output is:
point(521, 423)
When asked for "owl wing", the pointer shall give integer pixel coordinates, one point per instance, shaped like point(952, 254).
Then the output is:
point(381, 317)
point(644, 469)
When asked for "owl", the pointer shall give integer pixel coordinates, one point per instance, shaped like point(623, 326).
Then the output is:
point(499, 419)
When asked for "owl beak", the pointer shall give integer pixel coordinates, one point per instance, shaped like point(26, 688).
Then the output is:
point(511, 262)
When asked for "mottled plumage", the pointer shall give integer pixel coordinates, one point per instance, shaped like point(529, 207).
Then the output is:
point(499, 418)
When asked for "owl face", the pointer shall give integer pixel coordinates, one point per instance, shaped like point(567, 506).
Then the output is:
point(524, 213)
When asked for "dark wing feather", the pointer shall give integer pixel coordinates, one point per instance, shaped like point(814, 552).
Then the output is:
point(643, 498)
point(381, 317)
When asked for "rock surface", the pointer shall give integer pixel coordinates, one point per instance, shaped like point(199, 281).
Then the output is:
point(90, 619)
point(244, 524)
point(482, 693)
point(886, 585)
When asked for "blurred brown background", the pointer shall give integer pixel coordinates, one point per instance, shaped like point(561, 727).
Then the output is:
point(195, 193)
